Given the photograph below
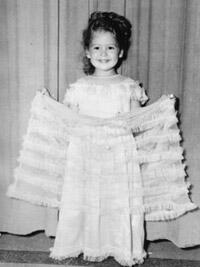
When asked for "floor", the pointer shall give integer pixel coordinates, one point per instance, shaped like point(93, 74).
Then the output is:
point(33, 251)
point(110, 262)
point(29, 265)
point(40, 242)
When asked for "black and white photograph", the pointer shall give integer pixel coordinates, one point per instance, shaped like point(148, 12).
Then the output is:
point(99, 136)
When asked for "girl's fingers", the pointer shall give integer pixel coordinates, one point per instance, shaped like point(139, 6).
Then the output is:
point(45, 91)
point(171, 96)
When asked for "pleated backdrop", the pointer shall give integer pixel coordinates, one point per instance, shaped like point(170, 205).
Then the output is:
point(40, 46)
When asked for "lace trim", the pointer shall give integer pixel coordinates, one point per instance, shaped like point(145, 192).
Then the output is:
point(95, 86)
point(164, 215)
point(154, 212)
point(32, 198)
point(52, 169)
point(44, 182)
point(160, 114)
point(96, 256)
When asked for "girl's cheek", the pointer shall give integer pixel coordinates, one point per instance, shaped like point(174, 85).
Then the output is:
point(94, 52)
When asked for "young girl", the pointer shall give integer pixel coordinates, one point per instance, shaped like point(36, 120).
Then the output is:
point(107, 163)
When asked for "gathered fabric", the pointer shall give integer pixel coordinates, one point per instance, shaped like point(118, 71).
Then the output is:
point(132, 162)
point(105, 168)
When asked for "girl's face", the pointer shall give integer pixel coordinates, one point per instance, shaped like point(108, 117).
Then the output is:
point(104, 53)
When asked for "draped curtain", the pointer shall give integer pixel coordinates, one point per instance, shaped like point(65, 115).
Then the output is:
point(40, 46)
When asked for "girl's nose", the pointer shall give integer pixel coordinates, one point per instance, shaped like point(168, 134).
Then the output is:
point(103, 52)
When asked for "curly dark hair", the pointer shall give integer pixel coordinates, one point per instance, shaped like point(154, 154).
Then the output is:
point(118, 25)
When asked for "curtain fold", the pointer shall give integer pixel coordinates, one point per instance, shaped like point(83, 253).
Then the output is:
point(41, 47)
point(174, 68)
point(29, 50)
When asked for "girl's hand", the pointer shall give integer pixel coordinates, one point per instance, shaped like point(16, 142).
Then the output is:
point(45, 91)
point(171, 96)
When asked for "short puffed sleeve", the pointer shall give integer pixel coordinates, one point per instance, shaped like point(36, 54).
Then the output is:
point(138, 93)
point(71, 97)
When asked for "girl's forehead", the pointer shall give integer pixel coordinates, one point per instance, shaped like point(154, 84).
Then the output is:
point(103, 37)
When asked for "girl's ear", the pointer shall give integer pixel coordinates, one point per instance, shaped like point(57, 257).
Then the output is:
point(121, 53)
point(87, 54)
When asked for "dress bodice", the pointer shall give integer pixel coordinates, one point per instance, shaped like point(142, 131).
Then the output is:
point(104, 97)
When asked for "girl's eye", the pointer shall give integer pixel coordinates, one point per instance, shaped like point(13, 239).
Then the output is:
point(96, 47)
point(111, 47)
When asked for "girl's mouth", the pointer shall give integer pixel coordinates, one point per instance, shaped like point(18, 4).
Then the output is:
point(104, 60)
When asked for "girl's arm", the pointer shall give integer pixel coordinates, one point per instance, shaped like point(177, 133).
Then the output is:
point(138, 96)
point(71, 99)
point(135, 104)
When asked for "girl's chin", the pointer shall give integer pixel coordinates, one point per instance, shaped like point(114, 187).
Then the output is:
point(105, 69)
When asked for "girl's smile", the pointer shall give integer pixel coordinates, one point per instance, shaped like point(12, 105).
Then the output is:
point(104, 53)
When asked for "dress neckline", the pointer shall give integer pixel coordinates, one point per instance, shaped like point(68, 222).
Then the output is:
point(117, 78)
point(105, 77)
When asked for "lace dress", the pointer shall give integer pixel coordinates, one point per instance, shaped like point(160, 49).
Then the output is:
point(95, 216)
point(107, 169)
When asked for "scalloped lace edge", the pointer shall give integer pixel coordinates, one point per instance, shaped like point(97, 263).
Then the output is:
point(89, 255)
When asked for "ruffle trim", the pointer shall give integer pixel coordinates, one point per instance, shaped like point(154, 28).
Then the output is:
point(49, 185)
point(154, 212)
point(96, 256)
point(159, 212)
point(63, 113)
point(32, 198)
point(55, 168)
point(93, 87)
point(167, 211)
point(147, 119)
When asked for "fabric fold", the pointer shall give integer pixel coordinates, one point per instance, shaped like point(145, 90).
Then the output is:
point(149, 135)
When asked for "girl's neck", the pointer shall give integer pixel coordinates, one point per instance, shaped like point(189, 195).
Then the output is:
point(103, 74)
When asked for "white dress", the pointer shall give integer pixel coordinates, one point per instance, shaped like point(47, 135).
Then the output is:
point(105, 168)
point(95, 216)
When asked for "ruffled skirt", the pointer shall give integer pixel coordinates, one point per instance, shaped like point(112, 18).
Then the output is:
point(105, 175)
